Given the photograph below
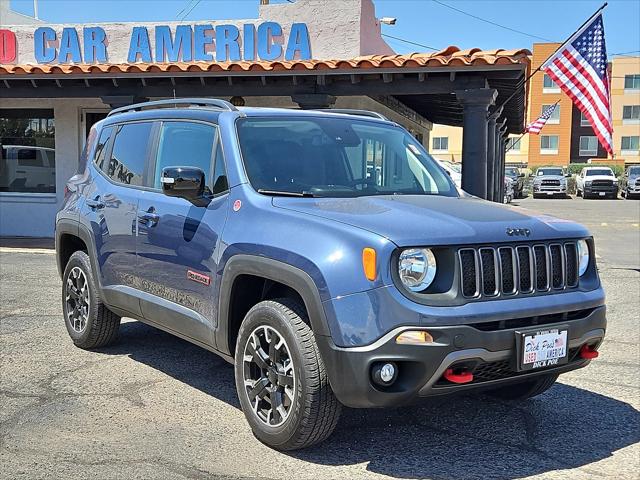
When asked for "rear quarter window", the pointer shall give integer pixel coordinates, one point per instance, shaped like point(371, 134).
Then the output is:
point(128, 159)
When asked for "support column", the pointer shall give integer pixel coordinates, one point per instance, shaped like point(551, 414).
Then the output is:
point(475, 103)
point(492, 157)
point(499, 169)
point(312, 101)
point(503, 144)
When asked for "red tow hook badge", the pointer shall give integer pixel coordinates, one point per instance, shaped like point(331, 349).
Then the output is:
point(588, 353)
point(463, 377)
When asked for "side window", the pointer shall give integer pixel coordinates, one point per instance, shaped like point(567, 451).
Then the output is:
point(28, 157)
point(101, 149)
point(185, 144)
point(220, 183)
point(129, 153)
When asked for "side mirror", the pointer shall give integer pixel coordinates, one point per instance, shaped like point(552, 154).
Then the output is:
point(184, 182)
point(521, 175)
point(568, 175)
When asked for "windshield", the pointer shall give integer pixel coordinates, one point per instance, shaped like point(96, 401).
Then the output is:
point(512, 172)
point(550, 171)
point(600, 171)
point(634, 171)
point(335, 157)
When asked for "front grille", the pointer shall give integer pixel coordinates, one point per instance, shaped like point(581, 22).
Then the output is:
point(554, 183)
point(521, 269)
point(637, 182)
point(602, 183)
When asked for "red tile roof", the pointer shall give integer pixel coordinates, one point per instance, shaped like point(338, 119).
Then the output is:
point(449, 57)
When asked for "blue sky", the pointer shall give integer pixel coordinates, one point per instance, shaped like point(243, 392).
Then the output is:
point(423, 21)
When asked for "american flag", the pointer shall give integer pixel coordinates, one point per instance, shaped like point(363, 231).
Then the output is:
point(535, 127)
point(579, 68)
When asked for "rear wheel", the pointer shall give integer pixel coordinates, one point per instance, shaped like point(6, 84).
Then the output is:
point(89, 322)
point(524, 390)
point(281, 380)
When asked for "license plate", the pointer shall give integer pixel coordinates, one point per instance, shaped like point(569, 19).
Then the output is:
point(602, 194)
point(542, 348)
point(550, 193)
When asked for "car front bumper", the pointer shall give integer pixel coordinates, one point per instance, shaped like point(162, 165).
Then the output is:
point(550, 190)
point(596, 190)
point(491, 353)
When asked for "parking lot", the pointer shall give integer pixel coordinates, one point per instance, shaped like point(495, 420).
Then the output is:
point(154, 406)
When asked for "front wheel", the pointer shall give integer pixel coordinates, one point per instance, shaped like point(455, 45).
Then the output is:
point(281, 379)
point(525, 390)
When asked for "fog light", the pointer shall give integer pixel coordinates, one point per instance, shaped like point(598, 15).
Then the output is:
point(414, 337)
point(384, 374)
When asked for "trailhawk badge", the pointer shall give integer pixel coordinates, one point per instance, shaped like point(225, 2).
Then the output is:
point(199, 277)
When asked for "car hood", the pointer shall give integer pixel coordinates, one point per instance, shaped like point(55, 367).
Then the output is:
point(598, 177)
point(412, 220)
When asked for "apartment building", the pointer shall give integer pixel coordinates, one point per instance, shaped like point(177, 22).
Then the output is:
point(625, 105)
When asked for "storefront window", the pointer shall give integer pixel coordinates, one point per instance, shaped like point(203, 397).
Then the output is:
point(27, 151)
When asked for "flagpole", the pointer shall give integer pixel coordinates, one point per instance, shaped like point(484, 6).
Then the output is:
point(539, 67)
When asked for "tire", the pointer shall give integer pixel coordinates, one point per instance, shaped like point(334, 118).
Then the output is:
point(89, 322)
point(578, 193)
point(313, 410)
point(525, 390)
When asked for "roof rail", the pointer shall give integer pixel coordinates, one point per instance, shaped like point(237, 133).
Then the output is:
point(200, 102)
point(353, 111)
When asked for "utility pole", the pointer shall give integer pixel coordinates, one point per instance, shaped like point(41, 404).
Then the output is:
point(35, 9)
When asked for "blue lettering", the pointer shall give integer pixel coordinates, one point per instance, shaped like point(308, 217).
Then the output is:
point(69, 46)
point(249, 41)
point(227, 46)
point(298, 43)
point(176, 49)
point(139, 45)
point(200, 41)
point(269, 38)
point(41, 37)
point(95, 45)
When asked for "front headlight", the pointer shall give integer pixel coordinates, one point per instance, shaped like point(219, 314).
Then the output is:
point(417, 268)
point(587, 182)
point(583, 257)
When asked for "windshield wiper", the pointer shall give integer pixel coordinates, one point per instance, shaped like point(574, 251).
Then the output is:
point(283, 193)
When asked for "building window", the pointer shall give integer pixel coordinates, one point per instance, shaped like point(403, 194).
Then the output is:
point(440, 144)
point(584, 121)
point(630, 145)
point(555, 116)
point(631, 114)
point(549, 144)
point(548, 85)
point(588, 146)
point(632, 82)
point(513, 145)
point(27, 151)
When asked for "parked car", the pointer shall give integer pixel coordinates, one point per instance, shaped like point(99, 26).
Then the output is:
point(26, 168)
point(550, 182)
point(630, 182)
point(454, 170)
point(518, 181)
point(597, 182)
point(259, 235)
point(509, 192)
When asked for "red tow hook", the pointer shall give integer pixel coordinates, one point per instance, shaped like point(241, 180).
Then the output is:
point(464, 376)
point(588, 352)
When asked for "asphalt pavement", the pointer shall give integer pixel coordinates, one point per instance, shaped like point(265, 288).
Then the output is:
point(156, 407)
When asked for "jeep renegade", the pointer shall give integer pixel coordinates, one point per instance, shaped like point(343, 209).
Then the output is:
point(326, 255)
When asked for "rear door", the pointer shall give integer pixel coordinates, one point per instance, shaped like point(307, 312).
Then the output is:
point(178, 240)
point(112, 203)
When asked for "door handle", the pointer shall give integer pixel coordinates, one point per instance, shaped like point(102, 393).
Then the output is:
point(95, 203)
point(149, 218)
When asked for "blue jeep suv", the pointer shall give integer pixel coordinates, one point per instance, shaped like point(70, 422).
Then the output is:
point(326, 255)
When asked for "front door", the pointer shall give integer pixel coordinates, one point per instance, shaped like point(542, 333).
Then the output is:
point(177, 240)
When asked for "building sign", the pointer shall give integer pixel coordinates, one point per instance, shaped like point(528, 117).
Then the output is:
point(163, 43)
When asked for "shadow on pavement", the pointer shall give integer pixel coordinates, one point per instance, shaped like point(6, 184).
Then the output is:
point(461, 437)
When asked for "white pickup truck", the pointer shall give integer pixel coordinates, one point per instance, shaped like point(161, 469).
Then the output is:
point(599, 182)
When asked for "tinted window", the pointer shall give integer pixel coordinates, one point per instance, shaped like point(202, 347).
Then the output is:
point(550, 171)
point(128, 157)
point(602, 171)
point(220, 183)
point(337, 158)
point(634, 171)
point(185, 144)
point(101, 149)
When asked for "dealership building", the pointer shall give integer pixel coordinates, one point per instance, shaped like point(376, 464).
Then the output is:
point(56, 81)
